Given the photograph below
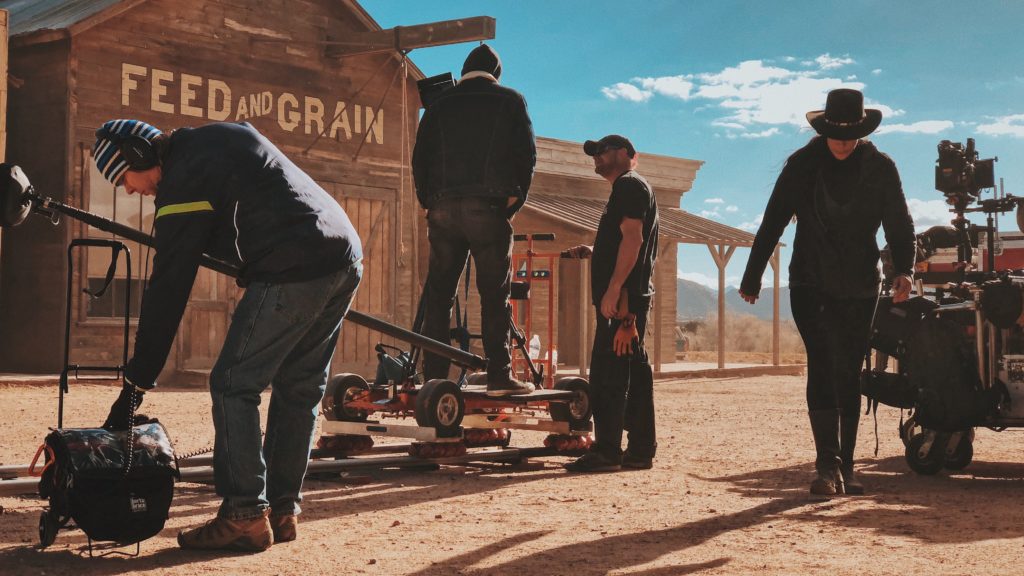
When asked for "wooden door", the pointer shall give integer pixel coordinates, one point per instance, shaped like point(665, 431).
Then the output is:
point(374, 219)
point(205, 323)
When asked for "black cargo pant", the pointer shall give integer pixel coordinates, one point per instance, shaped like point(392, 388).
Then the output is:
point(835, 334)
point(457, 227)
point(622, 393)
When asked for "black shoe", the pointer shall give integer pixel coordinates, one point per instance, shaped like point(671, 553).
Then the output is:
point(593, 462)
point(509, 387)
point(636, 462)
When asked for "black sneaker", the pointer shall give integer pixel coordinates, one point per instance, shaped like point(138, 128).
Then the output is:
point(636, 462)
point(509, 387)
point(593, 462)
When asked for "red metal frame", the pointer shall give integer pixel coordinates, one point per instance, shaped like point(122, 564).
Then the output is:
point(548, 346)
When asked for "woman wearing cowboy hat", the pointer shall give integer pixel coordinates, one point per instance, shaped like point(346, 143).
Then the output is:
point(841, 189)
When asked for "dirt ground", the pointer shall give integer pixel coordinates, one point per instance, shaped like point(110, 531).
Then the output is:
point(728, 495)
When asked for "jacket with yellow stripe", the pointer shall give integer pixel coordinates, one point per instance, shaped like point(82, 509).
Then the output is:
point(227, 191)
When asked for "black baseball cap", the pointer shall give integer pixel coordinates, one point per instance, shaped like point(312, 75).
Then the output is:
point(591, 148)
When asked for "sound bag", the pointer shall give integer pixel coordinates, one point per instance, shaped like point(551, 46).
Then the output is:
point(111, 493)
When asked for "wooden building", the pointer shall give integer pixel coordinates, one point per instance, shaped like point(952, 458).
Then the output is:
point(294, 69)
point(172, 63)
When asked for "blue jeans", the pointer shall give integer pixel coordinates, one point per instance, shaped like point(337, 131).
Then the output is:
point(285, 335)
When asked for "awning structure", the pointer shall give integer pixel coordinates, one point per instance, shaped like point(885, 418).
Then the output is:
point(675, 224)
point(678, 226)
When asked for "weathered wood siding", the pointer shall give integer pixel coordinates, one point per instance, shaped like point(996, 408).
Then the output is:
point(34, 269)
point(187, 63)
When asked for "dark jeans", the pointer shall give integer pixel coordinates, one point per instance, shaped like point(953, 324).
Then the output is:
point(835, 334)
point(622, 393)
point(456, 228)
point(285, 335)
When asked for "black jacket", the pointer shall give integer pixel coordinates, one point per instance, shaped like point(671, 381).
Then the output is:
point(836, 253)
point(476, 139)
point(227, 191)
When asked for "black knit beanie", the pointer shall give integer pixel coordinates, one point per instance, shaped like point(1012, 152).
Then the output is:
point(483, 58)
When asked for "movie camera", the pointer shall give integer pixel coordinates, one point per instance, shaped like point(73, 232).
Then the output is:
point(960, 174)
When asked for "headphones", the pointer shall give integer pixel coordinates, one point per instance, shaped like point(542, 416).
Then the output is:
point(136, 151)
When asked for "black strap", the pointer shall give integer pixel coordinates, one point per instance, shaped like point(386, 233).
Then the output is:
point(115, 251)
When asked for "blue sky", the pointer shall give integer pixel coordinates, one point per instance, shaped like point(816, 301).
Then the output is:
point(729, 82)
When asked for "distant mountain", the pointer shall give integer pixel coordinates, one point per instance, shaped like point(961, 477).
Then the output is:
point(695, 300)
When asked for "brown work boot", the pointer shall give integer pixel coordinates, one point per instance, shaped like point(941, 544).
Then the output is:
point(284, 527)
point(248, 535)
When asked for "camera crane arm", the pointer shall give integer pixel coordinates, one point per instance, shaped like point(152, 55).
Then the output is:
point(18, 198)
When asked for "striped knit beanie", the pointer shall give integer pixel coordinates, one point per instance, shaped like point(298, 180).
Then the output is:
point(107, 154)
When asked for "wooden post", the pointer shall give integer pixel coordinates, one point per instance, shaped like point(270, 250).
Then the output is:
point(775, 306)
point(584, 315)
point(3, 85)
point(660, 296)
point(721, 255)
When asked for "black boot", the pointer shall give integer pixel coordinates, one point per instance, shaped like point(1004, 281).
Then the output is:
point(825, 427)
point(847, 442)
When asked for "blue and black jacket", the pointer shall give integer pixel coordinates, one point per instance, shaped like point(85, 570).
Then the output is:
point(227, 191)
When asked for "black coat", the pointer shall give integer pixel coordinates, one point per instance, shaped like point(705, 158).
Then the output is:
point(229, 192)
point(476, 139)
point(836, 254)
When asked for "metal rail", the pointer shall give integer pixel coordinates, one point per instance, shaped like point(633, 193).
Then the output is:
point(30, 486)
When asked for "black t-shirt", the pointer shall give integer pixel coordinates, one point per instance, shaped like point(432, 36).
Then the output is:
point(632, 197)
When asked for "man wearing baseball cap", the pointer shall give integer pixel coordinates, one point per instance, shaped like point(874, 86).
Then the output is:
point(623, 254)
point(225, 190)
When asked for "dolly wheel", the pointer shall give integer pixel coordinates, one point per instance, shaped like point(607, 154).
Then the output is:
point(577, 411)
point(961, 456)
point(925, 464)
point(907, 430)
point(47, 529)
point(341, 389)
point(439, 405)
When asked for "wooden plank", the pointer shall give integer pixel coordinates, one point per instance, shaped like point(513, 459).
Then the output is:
point(3, 84)
point(403, 38)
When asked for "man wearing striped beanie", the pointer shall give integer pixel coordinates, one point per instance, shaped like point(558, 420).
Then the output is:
point(226, 191)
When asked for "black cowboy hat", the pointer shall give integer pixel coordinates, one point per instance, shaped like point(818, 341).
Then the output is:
point(844, 116)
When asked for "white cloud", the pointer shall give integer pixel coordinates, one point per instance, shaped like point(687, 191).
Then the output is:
point(625, 91)
point(732, 208)
point(762, 134)
point(1012, 125)
point(671, 86)
point(762, 98)
point(714, 201)
point(828, 62)
point(710, 214)
point(922, 127)
point(928, 213)
point(753, 225)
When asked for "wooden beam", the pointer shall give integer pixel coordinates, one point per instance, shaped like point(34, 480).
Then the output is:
point(585, 309)
point(721, 255)
point(3, 84)
point(405, 38)
point(776, 263)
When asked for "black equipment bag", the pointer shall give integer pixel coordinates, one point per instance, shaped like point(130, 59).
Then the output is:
point(942, 367)
point(888, 388)
point(87, 479)
point(894, 325)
